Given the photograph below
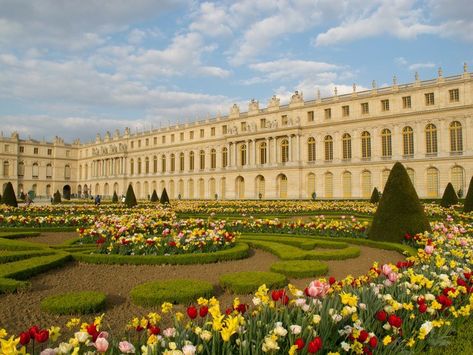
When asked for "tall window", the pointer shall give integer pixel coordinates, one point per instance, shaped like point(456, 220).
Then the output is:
point(456, 137)
point(260, 186)
point(243, 154)
point(429, 99)
point(284, 151)
point(310, 184)
point(458, 178)
point(384, 105)
point(432, 182)
point(366, 145)
point(155, 164)
point(406, 102)
point(328, 142)
point(49, 171)
point(282, 186)
point(311, 149)
point(6, 169)
point(328, 183)
point(21, 168)
point(173, 162)
point(132, 166)
point(346, 145)
point(408, 141)
point(366, 184)
point(35, 173)
point(67, 172)
point(163, 163)
point(213, 160)
point(202, 159)
point(224, 157)
point(191, 161)
point(346, 184)
point(147, 165)
point(181, 162)
point(139, 166)
point(365, 109)
point(454, 95)
point(431, 139)
point(262, 152)
point(386, 143)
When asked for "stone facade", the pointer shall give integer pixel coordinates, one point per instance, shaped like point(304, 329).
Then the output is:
point(337, 147)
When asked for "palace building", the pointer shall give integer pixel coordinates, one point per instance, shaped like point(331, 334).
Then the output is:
point(336, 147)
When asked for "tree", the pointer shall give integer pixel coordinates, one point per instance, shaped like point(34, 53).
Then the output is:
point(164, 197)
point(114, 197)
point(154, 197)
point(130, 199)
point(57, 197)
point(449, 196)
point(399, 210)
point(468, 206)
point(374, 196)
point(9, 197)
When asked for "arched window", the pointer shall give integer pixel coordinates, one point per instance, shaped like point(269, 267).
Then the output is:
point(224, 157)
point(21, 168)
point(328, 142)
point(6, 168)
point(201, 188)
point(213, 161)
point(346, 184)
point(202, 160)
point(366, 184)
point(67, 172)
point(458, 179)
point(147, 165)
point(243, 154)
point(386, 143)
point(311, 149)
point(132, 166)
point(346, 145)
point(240, 187)
point(180, 188)
point(212, 188)
point(384, 177)
point(190, 188)
point(173, 163)
point(366, 145)
point(223, 187)
point(155, 164)
point(431, 139)
point(282, 186)
point(139, 165)
point(262, 152)
point(260, 186)
point(181, 164)
point(163, 163)
point(328, 184)
point(191, 162)
point(284, 151)
point(310, 184)
point(49, 171)
point(432, 182)
point(456, 137)
point(408, 141)
point(171, 189)
point(35, 172)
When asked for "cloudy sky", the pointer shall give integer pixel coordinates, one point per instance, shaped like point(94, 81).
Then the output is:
point(74, 68)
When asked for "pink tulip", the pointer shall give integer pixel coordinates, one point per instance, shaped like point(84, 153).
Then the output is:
point(429, 249)
point(392, 277)
point(317, 289)
point(387, 269)
point(101, 344)
point(126, 347)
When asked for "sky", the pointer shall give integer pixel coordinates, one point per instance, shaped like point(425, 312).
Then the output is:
point(77, 68)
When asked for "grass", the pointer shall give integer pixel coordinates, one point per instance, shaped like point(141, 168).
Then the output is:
point(83, 302)
point(245, 282)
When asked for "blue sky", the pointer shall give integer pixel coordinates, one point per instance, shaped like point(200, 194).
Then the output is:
point(77, 68)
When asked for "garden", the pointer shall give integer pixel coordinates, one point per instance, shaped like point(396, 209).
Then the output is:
point(392, 275)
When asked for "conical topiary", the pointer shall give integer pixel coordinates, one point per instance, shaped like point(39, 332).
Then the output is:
point(114, 197)
point(154, 197)
point(449, 196)
point(57, 197)
point(399, 210)
point(9, 197)
point(130, 199)
point(164, 197)
point(374, 196)
point(468, 207)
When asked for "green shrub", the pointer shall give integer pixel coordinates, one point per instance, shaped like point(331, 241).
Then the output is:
point(153, 294)
point(12, 244)
point(24, 269)
point(468, 206)
point(114, 197)
point(9, 197)
point(9, 285)
point(82, 302)
point(164, 197)
point(449, 196)
point(154, 197)
point(57, 197)
point(245, 282)
point(399, 210)
point(239, 251)
point(303, 242)
point(300, 268)
point(374, 196)
point(15, 235)
point(7, 256)
point(130, 198)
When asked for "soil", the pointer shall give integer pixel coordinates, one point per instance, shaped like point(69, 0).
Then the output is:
point(22, 310)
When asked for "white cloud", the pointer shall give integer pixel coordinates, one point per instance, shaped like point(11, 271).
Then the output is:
point(417, 66)
point(211, 20)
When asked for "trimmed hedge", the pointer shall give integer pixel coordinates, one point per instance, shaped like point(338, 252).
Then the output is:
point(7, 256)
point(449, 196)
point(303, 242)
point(239, 251)
point(24, 269)
point(10, 244)
point(9, 197)
point(83, 302)
point(15, 235)
point(245, 282)
point(9, 285)
point(300, 268)
point(153, 294)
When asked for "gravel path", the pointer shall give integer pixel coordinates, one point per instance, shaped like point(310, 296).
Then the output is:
point(21, 310)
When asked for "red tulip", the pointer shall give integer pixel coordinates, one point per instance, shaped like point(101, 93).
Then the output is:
point(300, 343)
point(422, 308)
point(363, 336)
point(203, 311)
point(373, 342)
point(42, 336)
point(395, 321)
point(315, 345)
point(25, 338)
point(241, 308)
point(331, 280)
point(381, 316)
point(33, 330)
point(154, 330)
point(192, 312)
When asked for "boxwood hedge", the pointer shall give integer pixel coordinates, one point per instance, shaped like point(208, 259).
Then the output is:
point(300, 268)
point(82, 302)
point(248, 281)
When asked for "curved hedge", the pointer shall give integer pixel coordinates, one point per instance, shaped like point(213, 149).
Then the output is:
point(74, 303)
point(248, 281)
point(184, 291)
point(300, 268)
point(239, 251)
